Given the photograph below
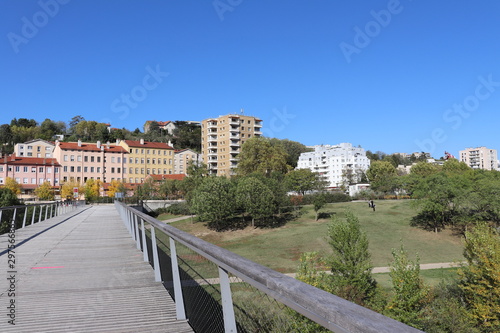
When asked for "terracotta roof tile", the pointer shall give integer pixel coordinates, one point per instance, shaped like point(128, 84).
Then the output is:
point(14, 160)
point(91, 147)
point(147, 144)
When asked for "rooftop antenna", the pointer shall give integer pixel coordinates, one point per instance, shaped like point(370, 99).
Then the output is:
point(241, 111)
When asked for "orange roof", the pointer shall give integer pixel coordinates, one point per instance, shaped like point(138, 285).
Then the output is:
point(91, 147)
point(147, 144)
point(178, 176)
point(14, 160)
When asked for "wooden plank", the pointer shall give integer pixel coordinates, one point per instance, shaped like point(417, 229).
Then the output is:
point(84, 274)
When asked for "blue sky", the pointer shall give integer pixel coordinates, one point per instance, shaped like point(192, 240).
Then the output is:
point(394, 76)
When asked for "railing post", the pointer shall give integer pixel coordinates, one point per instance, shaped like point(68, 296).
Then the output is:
point(145, 254)
point(227, 302)
point(136, 229)
point(33, 216)
point(46, 211)
point(156, 262)
point(179, 299)
point(40, 214)
point(25, 215)
point(51, 207)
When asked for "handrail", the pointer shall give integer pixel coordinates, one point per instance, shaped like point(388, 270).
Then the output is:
point(328, 310)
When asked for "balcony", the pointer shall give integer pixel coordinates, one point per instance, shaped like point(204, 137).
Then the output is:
point(234, 129)
point(212, 125)
point(212, 138)
point(234, 143)
point(234, 121)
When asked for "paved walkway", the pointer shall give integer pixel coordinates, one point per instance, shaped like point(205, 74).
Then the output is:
point(82, 273)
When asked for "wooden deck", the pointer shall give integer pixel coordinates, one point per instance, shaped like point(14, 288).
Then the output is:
point(81, 272)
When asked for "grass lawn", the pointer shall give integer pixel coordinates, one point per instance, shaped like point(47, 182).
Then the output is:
point(431, 277)
point(280, 248)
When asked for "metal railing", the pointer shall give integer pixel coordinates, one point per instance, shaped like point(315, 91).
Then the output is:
point(24, 215)
point(220, 291)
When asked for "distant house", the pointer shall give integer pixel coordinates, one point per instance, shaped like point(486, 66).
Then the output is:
point(168, 126)
point(35, 148)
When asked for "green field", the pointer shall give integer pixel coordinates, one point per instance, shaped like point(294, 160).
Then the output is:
point(280, 248)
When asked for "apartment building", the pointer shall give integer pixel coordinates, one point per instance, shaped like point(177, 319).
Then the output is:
point(34, 148)
point(147, 158)
point(29, 172)
point(480, 158)
point(222, 138)
point(81, 161)
point(330, 161)
point(183, 157)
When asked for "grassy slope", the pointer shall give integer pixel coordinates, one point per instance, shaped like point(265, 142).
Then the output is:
point(280, 248)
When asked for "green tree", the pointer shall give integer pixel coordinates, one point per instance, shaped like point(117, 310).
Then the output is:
point(382, 176)
point(8, 198)
point(480, 278)
point(255, 198)
point(187, 135)
point(44, 191)
point(410, 293)
point(319, 202)
point(12, 185)
point(350, 263)
point(293, 149)
point(213, 200)
point(258, 155)
point(303, 180)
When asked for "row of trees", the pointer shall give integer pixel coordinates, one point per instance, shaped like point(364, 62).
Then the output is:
point(470, 303)
point(449, 195)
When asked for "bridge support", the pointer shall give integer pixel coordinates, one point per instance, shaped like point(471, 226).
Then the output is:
point(179, 299)
point(227, 302)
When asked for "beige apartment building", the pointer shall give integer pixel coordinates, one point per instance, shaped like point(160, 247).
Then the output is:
point(35, 148)
point(148, 158)
point(480, 158)
point(222, 138)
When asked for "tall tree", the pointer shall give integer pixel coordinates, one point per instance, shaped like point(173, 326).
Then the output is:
point(382, 176)
point(73, 122)
point(92, 189)
point(258, 155)
point(410, 293)
point(303, 180)
point(293, 149)
point(480, 278)
point(350, 262)
point(255, 198)
point(213, 200)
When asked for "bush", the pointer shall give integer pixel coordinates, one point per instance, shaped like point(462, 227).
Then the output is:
point(329, 197)
point(180, 208)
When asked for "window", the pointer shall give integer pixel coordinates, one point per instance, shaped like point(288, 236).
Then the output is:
point(65, 158)
point(136, 170)
point(21, 147)
point(72, 158)
point(131, 150)
point(40, 169)
point(25, 180)
point(38, 148)
point(91, 158)
point(136, 160)
point(112, 170)
point(18, 180)
point(56, 170)
point(98, 169)
point(47, 155)
point(30, 154)
point(1, 168)
point(48, 148)
point(98, 159)
point(79, 158)
point(142, 171)
point(17, 169)
point(131, 170)
point(30, 147)
point(119, 170)
point(91, 169)
point(113, 159)
point(118, 159)
point(142, 161)
point(40, 181)
point(85, 169)
point(33, 169)
point(137, 151)
point(72, 169)
point(142, 151)
point(149, 161)
point(25, 169)
point(78, 169)
point(131, 160)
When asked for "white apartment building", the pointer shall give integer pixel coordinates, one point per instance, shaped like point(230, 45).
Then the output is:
point(480, 158)
point(331, 160)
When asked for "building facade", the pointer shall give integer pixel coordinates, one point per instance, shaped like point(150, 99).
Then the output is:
point(333, 161)
point(182, 158)
point(222, 138)
point(480, 158)
point(82, 161)
point(30, 172)
point(147, 158)
point(35, 148)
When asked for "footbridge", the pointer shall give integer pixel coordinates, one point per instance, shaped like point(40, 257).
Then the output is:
point(111, 268)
